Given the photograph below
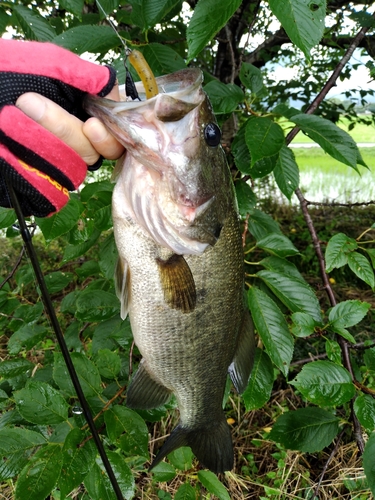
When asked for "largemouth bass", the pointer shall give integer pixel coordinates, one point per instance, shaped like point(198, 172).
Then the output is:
point(180, 273)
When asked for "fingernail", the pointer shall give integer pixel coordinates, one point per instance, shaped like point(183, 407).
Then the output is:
point(32, 105)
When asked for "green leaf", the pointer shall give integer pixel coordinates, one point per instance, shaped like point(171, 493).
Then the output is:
point(96, 305)
point(348, 313)
point(251, 77)
point(7, 217)
point(26, 337)
point(61, 222)
point(108, 256)
point(303, 21)
point(272, 328)
point(88, 38)
point(245, 197)
point(73, 6)
point(337, 251)
point(13, 367)
point(333, 351)
point(58, 280)
point(185, 492)
point(87, 372)
point(297, 295)
point(4, 21)
point(364, 407)
point(33, 24)
point(164, 472)
point(146, 13)
point(264, 138)
point(306, 429)
point(182, 458)
point(204, 25)
point(162, 59)
point(213, 485)
point(77, 460)
point(108, 6)
point(98, 484)
point(224, 97)
point(263, 167)
point(286, 172)
point(303, 324)
point(127, 430)
point(108, 363)
point(369, 462)
point(261, 224)
point(277, 244)
point(324, 383)
point(260, 384)
point(362, 268)
point(369, 358)
point(335, 141)
point(274, 263)
point(16, 444)
point(40, 403)
point(39, 476)
point(241, 152)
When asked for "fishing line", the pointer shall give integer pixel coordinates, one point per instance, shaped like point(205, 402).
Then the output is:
point(27, 238)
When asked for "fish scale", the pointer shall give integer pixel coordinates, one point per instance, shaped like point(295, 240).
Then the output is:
point(180, 275)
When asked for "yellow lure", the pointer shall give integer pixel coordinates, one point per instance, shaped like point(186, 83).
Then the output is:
point(141, 66)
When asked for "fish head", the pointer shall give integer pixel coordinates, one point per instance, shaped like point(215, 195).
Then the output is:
point(175, 180)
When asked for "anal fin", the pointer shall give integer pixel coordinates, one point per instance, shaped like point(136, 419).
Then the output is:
point(122, 285)
point(145, 393)
point(178, 283)
point(242, 364)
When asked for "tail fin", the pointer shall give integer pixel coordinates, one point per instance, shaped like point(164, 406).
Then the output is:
point(211, 445)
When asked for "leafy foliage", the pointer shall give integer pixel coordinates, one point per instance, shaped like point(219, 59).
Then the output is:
point(44, 443)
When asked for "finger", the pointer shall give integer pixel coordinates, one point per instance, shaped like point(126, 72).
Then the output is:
point(101, 139)
point(65, 126)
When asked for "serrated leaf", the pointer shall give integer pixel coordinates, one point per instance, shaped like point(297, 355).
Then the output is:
point(335, 141)
point(96, 305)
point(127, 430)
point(303, 324)
point(204, 25)
point(361, 267)
point(348, 313)
point(277, 244)
point(324, 383)
point(26, 337)
point(260, 384)
point(286, 172)
point(106, 7)
point(224, 97)
point(146, 13)
point(7, 217)
point(61, 222)
point(88, 38)
point(343, 332)
point(182, 458)
point(87, 372)
point(274, 263)
point(337, 251)
point(246, 198)
point(185, 492)
point(98, 484)
point(241, 152)
point(369, 462)
point(40, 403)
point(16, 444)
point(33, 24)
point(333, 351)
point(364, 407)
point(306, 429)
point(261, 224)
point(78, 458)
point(297, 295)
point(213, 485)
point(264, 138)
point(108, 363)
point(58, 280)
point(164, 472)
point(10, 368)
point(162, 59)
point(108, 256)
point(272, 328)
point(303, 21)
point(73, 6)
point(251, 77)
point(40, 474)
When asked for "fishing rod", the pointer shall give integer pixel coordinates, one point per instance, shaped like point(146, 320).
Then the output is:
point(27, 238)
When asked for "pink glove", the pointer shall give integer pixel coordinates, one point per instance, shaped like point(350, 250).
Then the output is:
point(42, 168)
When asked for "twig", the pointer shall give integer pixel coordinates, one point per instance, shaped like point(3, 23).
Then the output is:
point(232, 56)
point(15, 267)
point(333, 453)
point(337, 204)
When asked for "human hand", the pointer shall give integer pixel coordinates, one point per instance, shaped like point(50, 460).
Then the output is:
point(46, 156)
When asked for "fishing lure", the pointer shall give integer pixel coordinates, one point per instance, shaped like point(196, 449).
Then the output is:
point(141, 66)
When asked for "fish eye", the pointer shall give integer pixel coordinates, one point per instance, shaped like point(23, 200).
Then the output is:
point(212, 135)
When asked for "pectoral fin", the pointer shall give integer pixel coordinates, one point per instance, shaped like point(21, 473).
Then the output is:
point(242, 364)
point(145, 393)
point(178, 283)
point(122, 285)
